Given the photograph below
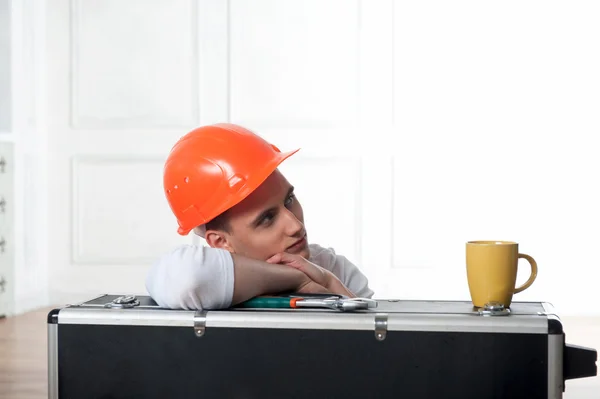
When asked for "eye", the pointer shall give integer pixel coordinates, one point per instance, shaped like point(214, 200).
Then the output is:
point(290, 199)
point(268, 218)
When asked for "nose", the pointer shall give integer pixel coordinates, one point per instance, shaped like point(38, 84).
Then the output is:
point(293, 226)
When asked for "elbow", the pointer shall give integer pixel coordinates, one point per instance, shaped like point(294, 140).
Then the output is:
point(183, 297)
point(168, 284)
point(191, 278)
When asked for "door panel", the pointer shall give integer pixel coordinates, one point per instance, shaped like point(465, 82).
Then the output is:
point(123, 91)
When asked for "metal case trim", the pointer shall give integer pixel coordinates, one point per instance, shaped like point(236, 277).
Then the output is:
point(52, 361)
point(140, 317)
point(555, 366)
point(305, 319)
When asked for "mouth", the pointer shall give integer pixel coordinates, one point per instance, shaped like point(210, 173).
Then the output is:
point(298, 244)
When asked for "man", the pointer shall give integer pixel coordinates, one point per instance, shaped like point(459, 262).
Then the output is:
point(222, 182)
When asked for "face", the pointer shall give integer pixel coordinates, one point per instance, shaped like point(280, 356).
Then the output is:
point(268, 221)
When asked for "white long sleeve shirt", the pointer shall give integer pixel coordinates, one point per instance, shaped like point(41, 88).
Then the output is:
point(195, 277)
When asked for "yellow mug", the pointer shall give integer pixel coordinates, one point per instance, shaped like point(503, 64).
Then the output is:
point(492, 271)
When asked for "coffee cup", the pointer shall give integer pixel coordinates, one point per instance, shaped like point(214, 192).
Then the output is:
point(492, 271)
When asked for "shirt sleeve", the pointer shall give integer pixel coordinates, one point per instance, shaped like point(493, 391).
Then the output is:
point(348, 273)
point(192, 277)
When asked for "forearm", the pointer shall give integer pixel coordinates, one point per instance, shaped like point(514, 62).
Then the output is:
point(254, 277)
point(196, 277)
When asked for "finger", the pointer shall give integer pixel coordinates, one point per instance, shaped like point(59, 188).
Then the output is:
point(314, 288)
point(313, 271)
point(284, 258)
point(275, 258)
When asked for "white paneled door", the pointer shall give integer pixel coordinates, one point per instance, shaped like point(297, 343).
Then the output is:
point(124, 83)
point(127, 79)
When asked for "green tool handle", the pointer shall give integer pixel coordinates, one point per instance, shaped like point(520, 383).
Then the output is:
point(268, 302)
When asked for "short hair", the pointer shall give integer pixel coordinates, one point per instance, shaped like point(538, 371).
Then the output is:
point(219, 223)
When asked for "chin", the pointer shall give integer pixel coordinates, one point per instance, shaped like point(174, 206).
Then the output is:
point(303, 251)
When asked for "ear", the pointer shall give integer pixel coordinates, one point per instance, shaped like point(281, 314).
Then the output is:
point(218, 239)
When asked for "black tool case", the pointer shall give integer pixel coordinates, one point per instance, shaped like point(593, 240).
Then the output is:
point(128, 347)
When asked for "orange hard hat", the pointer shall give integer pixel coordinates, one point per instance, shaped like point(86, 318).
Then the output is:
point(214, 167)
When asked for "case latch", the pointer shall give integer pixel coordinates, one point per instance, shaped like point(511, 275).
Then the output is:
point(200, 323)
point(380, 326)
point(123, 302)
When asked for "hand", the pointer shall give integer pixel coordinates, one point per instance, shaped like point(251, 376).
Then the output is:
point(318, 275)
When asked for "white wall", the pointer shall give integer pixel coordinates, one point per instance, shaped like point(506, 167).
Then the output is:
point(496, 118)
point(422, 124)
point(26, 106)
point(5, 77)
point(7, 174)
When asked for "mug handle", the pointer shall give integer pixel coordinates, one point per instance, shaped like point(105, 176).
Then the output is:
point(533, 275)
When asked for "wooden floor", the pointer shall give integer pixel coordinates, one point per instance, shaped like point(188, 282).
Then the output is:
point(23, 367)
point(23, 356)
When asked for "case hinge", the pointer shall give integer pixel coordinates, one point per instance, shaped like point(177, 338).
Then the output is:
point(200, 323)
point(381, 324)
